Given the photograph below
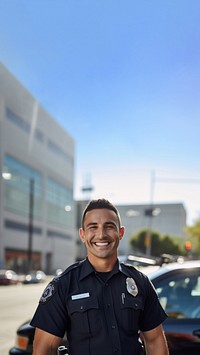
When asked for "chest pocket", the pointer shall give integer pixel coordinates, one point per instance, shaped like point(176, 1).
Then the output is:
point(131, 310)
point(84, 316)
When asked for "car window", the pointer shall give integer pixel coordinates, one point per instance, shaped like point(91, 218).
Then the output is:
point(179, 294)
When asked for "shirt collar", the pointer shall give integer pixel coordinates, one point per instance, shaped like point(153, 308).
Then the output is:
point(88, 269)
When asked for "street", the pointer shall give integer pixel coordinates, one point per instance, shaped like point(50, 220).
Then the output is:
point(17, 305)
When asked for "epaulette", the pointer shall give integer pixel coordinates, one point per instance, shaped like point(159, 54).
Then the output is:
point(127, 265)
point(133, 269)
point(131, 266)
point(69, 268)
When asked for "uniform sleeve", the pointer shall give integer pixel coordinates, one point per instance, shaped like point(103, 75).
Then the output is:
point(51, 314)
point(153, 314)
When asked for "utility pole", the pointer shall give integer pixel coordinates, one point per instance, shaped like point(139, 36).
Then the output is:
point(149, 214)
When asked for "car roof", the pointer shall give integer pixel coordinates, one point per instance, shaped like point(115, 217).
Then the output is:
point(191, 264)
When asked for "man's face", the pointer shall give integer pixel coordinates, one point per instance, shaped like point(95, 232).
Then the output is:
point(101, 233)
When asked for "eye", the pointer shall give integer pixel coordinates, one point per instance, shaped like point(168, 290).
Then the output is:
point(109, 226)
point(92, 228)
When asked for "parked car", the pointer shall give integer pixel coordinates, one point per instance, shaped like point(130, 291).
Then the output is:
point(137, 260)
point(178, 288)
point(143, 260)
point(8, 277)
point(34, 277)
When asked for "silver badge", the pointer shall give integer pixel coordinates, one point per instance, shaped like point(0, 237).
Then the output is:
point(48, 292)
point(131, 286)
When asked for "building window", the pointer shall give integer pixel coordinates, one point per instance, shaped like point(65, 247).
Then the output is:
point(39, 136)
point(58, 151)
point(17, 120)
point(55, 234)
point(21, 227)
point(59, 203)
point(25, 126)
point(17, 181)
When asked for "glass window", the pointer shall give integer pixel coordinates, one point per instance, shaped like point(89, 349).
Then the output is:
point(17, 120)
point(25, 126)
point(39, 135)
point(57, 150)
point(53, 233)
point(59, 203)
point(21, 227)
point(179, 294)
point(17, 179)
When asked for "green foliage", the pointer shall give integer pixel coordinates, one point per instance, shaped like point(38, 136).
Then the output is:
point(138, 241)
point(159, 244)
point(193, 233)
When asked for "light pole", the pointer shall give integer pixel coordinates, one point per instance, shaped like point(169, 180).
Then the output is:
point(149, 213)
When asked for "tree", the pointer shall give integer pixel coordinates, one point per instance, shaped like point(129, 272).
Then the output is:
point(169, 246)
point(194, 234)
point(159, 244)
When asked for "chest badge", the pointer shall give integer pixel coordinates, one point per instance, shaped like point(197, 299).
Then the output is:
point(131, 286)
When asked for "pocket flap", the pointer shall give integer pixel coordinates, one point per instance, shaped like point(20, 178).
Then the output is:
point(134, 303)
point(82, 305)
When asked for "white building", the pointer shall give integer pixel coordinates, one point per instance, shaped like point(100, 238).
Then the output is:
point(37, 174)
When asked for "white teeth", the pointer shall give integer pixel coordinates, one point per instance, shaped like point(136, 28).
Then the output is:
point(101, 244)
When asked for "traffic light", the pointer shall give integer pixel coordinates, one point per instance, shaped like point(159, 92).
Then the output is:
point(188, 245)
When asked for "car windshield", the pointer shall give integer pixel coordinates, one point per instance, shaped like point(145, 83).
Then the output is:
point(179, 291)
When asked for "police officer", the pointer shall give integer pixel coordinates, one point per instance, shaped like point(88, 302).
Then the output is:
point(101, 304)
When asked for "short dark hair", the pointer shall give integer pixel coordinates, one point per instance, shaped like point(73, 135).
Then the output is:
point(97, 204)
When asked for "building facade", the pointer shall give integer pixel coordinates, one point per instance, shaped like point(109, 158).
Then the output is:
point(37, 224)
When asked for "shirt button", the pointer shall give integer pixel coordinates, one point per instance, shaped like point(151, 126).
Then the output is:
point(108, 305)
point(113, 326)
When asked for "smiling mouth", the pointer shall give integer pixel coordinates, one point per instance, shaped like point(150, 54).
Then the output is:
point(101, 244)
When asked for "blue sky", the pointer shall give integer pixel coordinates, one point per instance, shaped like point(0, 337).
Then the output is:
point(123, 78)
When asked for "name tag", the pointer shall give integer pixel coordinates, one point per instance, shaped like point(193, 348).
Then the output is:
point(80, 295)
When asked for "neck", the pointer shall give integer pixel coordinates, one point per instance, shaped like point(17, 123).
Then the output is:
point(102, 265)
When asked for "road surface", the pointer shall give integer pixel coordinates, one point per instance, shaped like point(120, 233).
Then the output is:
point(17, 305)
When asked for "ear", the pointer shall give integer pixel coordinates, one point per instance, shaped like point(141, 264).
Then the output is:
point(82, 235)
point(121, 232)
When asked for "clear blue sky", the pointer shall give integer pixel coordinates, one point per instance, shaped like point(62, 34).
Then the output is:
point(123, 78)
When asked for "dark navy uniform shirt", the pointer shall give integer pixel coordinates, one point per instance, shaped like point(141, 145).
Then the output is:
point(101, 313)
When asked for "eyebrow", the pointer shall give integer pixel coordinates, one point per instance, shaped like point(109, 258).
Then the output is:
point(91, 224)
point(95, 223)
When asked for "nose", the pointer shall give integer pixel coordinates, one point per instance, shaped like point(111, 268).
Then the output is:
point(101, 232)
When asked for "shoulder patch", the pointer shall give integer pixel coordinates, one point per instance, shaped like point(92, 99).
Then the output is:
point(48, 292)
